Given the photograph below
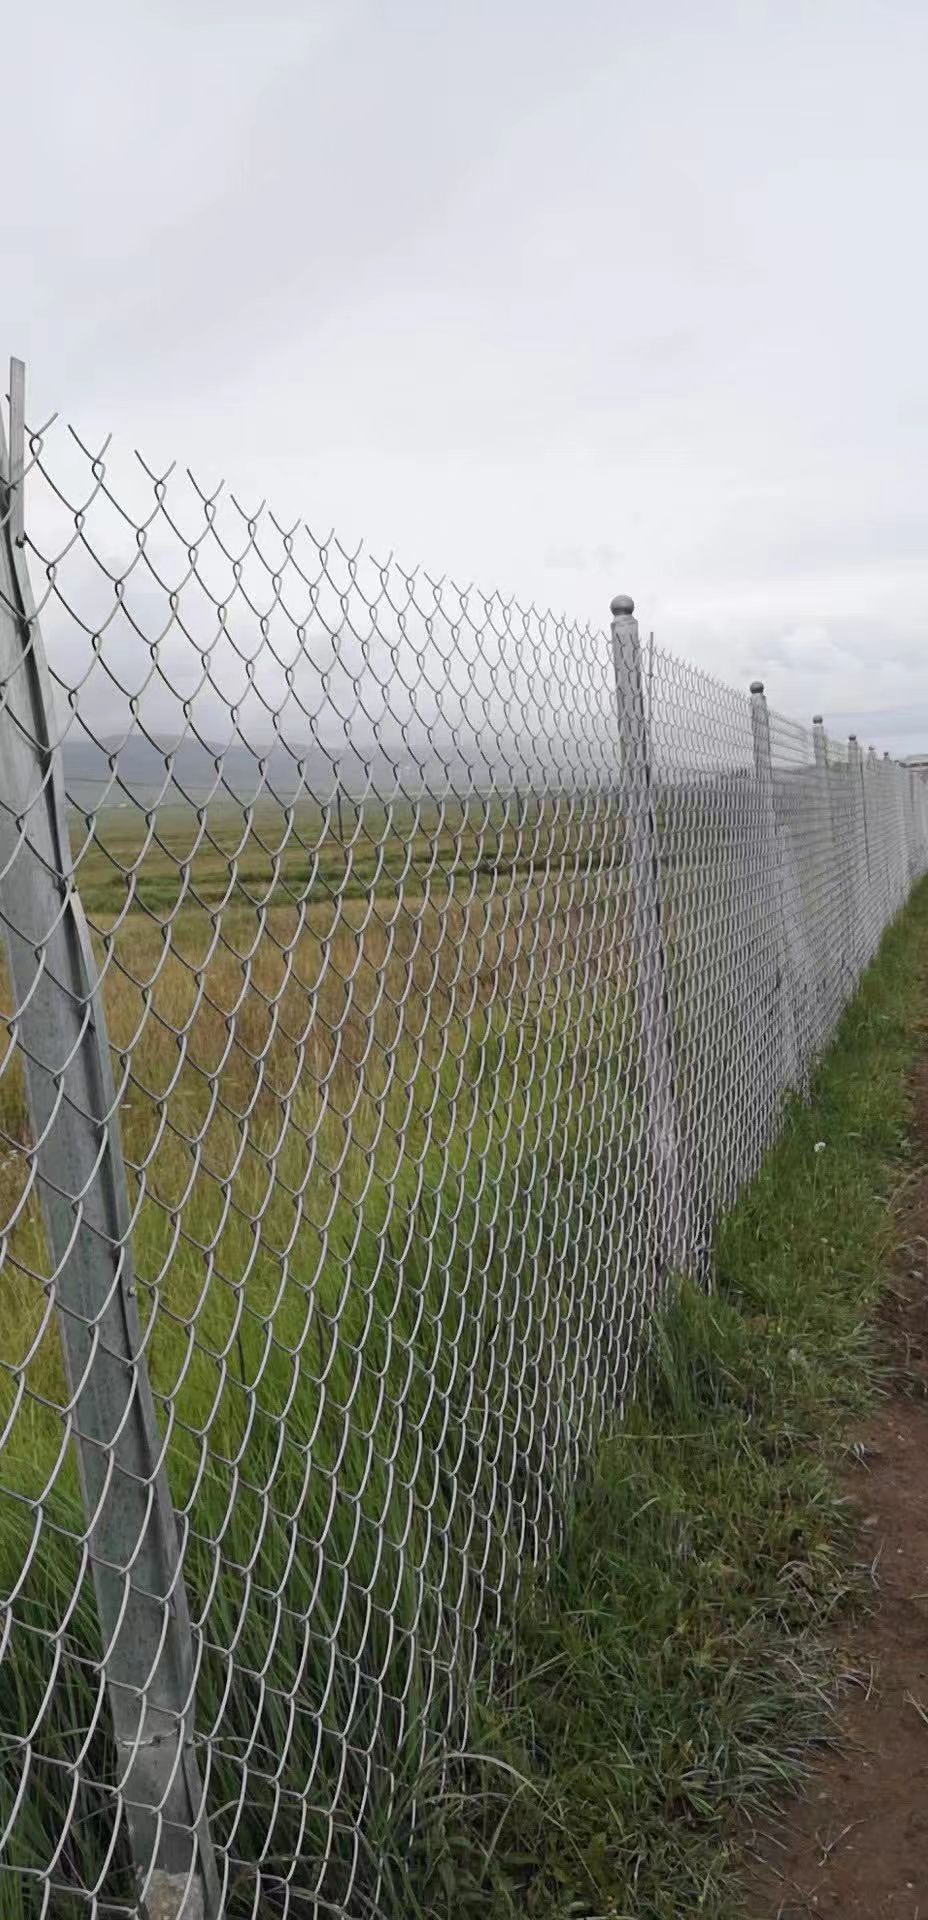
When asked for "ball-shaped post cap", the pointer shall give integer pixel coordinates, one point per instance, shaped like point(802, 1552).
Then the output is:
point(623, 603)
point(853, 736)
point(757, 686)
point(817, 720)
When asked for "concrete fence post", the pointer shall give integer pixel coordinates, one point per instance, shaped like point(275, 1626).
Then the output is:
point(58, 1027)
point(682, 1228)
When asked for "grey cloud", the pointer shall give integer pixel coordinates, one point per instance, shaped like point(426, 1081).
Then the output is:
point(812, 539)
point(568, 301)
point(579, 559)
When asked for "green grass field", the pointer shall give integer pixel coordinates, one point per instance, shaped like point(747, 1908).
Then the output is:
point(277, 856)
point(363, 1323)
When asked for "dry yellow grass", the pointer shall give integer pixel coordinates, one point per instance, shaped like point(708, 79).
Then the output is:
point(278, 1065)
point(339, 1117)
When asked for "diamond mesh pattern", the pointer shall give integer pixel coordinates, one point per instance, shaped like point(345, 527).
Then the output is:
point(397, 987)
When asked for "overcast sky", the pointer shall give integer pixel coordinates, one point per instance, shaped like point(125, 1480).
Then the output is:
point(621, 295)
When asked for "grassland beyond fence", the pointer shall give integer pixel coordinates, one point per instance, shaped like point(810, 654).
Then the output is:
point(340, 1113)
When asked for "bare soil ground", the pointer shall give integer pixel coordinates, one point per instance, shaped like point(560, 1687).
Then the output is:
point(855, 1843)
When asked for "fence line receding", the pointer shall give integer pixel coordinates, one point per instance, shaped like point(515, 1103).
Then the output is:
point(397, 987)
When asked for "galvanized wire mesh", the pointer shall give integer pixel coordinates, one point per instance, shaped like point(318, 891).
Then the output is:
point(398, 986)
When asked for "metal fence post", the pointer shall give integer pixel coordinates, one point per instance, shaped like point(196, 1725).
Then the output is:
point(892, 861)
point(779, 907)
point(899, 869)
point(917, 792)
point(860, 851)
point(863, 808)
point(886, 859)
point(907, 808)
point(58, 1026)
point(676, 1210)
point(834, 784)
point(876, 865)
point(874, 818)
point(887, 814)
point(825, 850)
point(784, 983)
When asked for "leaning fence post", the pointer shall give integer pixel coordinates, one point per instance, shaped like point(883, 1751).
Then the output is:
point(680, 1241)
point(58, 1026)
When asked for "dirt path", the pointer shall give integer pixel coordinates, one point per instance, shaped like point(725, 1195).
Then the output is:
point(856, 1843)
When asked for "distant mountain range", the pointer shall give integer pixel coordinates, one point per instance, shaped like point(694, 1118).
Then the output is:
point(151, 770)
point(192, 771)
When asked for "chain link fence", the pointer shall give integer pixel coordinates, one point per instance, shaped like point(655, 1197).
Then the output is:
point(398, 984)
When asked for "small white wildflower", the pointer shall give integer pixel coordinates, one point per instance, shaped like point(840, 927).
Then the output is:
point(819, 1146)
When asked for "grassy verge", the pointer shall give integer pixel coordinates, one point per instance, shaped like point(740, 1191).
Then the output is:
point(670, 1680)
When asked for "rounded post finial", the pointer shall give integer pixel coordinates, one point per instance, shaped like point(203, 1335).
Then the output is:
point(817, 720)
point(621, 603)
point(757, 686)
